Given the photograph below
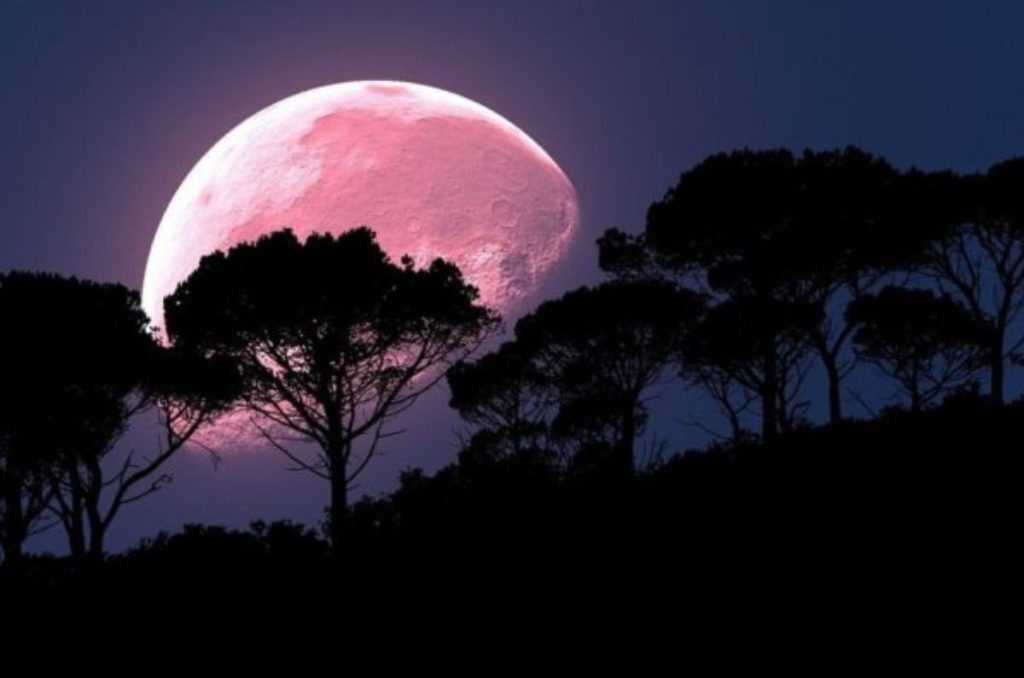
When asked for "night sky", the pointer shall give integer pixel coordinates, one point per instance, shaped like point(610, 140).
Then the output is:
point(106, 106)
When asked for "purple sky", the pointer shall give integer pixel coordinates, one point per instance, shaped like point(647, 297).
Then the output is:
point(107, 105)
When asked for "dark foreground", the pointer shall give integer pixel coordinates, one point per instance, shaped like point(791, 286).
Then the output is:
point(906, 510)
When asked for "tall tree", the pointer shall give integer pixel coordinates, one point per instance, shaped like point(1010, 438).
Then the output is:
point(927, 343)
point(41, 349)
point(842, 246)
point(770, 228)
point(91, 482)
point(24, 493)
point(81, 363)
point(759, 346)
point(974, 250)
point(505, 394)
point(333, 339)
point(602, 349)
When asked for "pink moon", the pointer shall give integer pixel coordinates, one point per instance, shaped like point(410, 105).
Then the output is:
point(433, 173)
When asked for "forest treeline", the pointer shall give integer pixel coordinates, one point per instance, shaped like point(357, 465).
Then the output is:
point(756, 274)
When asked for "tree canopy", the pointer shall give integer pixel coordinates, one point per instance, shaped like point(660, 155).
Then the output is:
point(79, 363)
point(926, 342)
point(580, 367)
point(333, 340)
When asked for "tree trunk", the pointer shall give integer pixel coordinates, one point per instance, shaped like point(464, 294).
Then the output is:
point(97, 523)
point(769, 392)
point(97, 532)
point(96, 539)
point(735, 425)
point(337, 450)
point(13, 548)
point(835, 406)
point(339, 509)
point(14, 530)
point(76, 535)
point(625, 464)
point(997, 369)
point(915, 395)
point(75, 523)
point(785, 421)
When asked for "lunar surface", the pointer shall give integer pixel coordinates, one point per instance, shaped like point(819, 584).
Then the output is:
point(433, 173)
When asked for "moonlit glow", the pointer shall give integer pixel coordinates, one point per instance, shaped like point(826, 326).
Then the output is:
point(433, 173)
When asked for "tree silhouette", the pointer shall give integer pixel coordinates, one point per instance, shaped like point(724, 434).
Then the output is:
point(727, 349)
point(752, 268)
point(505, 394)
point(601, 350)
point(577, 373)
point(82, 363)
point(927, 343)
point(24, 493)
point(974, 249)
point(769, 228)
point(842, 246)
point(334, 341)
point(54, 327)
point(184, 392)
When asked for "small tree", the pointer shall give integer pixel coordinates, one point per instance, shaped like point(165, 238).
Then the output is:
point(602, 349)
point(746, 346)
point(49, 410)
point(91, 483)
point(973, 230)
point(927, 343)
point(771, 228)
point(81, 363)
point(24, 493)
point(333, 339)
point(504, 394)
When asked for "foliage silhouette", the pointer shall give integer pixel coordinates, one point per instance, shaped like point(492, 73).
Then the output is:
point(506, 396)
point(870, 508)
point(972, 248)
point(767, 228)
point(928, 343)
point(728, 348)
point(603, 349)
point(579, 370)
point(754, 266)
point(25, 494)
point(82, 364)
point(334, 341)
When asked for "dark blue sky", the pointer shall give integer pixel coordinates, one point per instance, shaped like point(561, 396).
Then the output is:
point(106, 106)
